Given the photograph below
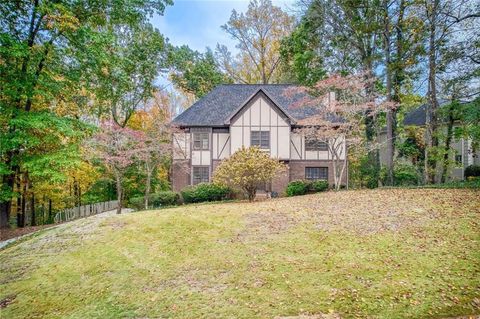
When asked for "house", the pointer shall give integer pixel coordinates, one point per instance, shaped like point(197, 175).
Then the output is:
point(462, 152)
point(236, 115)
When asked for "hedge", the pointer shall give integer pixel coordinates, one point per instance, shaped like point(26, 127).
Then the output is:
point(302, 187)
point(205, 192)
point(156, 200)
point(472, 171)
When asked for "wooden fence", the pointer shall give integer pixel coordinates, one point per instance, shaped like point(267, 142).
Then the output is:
point(84, 211)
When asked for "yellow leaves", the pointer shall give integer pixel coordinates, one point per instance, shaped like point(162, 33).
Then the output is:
point(105, 71)
point(62, 20)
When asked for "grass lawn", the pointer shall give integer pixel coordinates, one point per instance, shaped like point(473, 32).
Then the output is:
point(391, 253)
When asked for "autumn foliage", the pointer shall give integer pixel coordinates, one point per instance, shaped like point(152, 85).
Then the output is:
point(247, 168)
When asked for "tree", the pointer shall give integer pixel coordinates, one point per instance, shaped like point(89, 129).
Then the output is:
point(349, 35)
point(193, 72)
point(445, 22)
point(259, 33)
point(247, 168)
point(402, 38)
point(155, 142)
point(126, 77)
point(301, 56)
point(338, 122)
point(43, 146)
point(116, 147)
point(47, 50)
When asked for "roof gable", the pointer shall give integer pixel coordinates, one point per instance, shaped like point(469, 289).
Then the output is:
point(259, 94)
point(219, 105)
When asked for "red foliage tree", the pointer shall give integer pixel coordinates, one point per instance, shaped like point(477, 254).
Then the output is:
point(342, 103)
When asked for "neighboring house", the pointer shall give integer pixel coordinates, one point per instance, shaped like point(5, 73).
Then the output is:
point(462, 154)
point(236, 115)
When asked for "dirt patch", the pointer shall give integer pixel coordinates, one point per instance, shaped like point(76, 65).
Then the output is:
point(7, 300)
point(17, 232)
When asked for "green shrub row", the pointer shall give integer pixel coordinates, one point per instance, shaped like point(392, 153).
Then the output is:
point(205, 192)
point(404, 175)
point(155, 200)
point(302, 187)
point(472, 171)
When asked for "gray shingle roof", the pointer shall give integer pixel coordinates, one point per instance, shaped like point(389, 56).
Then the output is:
point(418, 116)
point(219, 104)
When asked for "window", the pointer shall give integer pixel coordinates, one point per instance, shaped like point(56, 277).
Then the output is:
point(200, 141)
point(458, 160)
point(314, 173)
point(200, 174)
point(260, 138)
point(313, 144)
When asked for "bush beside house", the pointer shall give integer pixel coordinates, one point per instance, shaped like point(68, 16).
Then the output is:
point(302, 187)
point(205, 192)
point(472, 171)
point(246, 169)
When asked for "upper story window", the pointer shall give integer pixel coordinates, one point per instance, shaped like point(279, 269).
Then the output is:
point(316, 173)
point(313, 144)
point(201, 141)
point(260, 139)
point(458, 160)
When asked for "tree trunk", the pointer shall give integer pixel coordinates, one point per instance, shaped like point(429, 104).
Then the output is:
point(4, 214)
point(147, 186)
point(448, 141)
point(251, 192)
point(50, 216)
point(24, 203)
point(370, 130)
point(431, 140)
point(119, 192)
point(19, 201)
point(32, 210)
point(6, 206)
point(390, 115)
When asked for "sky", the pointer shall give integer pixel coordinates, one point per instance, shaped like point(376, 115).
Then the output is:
point(196, 23)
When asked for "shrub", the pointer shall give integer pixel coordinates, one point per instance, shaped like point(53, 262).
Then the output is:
point(318, 186)
point(205, 192)
point(302, 187)
point(296, 188)
point(136, 203)
point(165, 198)
point(406, 175)
point(403, 174)
point(472, 171)
point(246, 168)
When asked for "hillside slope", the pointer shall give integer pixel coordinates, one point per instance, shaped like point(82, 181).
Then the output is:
point(383, 253)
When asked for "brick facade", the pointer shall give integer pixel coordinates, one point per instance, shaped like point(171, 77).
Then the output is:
point(280, 182)
point(297, 170)
point(180, 174)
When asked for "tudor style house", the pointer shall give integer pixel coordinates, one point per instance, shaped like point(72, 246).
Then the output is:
point(236, 115)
